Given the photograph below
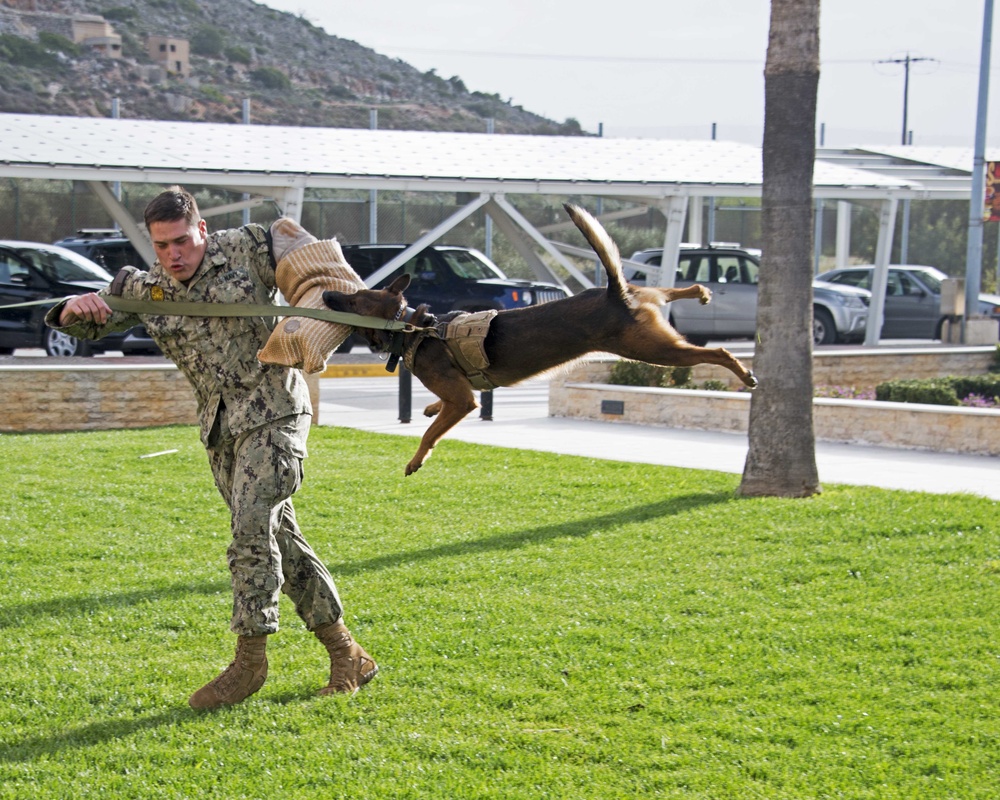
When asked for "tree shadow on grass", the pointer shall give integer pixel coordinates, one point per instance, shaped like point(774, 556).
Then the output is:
point(83, 605)
point(97, 733)
point(516, 539)
point(89, 735)
point(113, 729)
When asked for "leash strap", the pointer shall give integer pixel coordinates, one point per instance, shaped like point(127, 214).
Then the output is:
point(187, 309)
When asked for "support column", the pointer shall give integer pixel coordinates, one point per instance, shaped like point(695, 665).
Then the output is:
point(695, 228)
point(876, 311)
point(843, 253)
point(674, 208)
point(291, 204)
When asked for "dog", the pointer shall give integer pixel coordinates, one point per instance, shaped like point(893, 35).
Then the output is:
point(517, 344)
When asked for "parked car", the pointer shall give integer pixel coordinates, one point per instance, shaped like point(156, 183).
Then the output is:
point(840, 313)
point(912, 298)
point(30, 271)
point(108, 248)
point(104, 246)
point(449, 278)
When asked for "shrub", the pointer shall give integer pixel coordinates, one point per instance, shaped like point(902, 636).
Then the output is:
point(339, 92)
point(25, 53)
point(208, 41)
point(935, 391)
point(987, 386)
point(638, 373)
point(53, 41)
point(120, 14)
point(977, 390)
point(214, 93)
point(974, 390)
point(270, 78)
point(239, 55)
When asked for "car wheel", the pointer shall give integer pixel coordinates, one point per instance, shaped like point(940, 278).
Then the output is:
point(939, 329)
point(6, 351)
point(696, 339)
point(824, 331)
point(58, 343)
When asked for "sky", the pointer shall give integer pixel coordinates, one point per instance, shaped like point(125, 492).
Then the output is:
point(667, 69)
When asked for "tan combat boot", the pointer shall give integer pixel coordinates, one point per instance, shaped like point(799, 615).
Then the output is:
point(239, 680)
point(350, 666)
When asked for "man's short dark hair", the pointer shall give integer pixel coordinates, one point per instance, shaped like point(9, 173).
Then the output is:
point(170, 206)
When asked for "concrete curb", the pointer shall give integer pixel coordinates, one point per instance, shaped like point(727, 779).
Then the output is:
point(357, 371)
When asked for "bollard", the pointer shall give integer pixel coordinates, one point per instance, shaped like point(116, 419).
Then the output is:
point(486, 405)
point(405, 394)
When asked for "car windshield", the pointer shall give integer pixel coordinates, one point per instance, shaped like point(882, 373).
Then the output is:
point(62, 265)
point(466, 264)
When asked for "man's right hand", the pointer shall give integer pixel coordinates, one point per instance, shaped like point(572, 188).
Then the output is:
point(88, 307)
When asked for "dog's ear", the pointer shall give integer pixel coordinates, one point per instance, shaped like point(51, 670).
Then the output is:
point(399, 285)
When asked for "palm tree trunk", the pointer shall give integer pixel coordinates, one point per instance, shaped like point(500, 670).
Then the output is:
point(781, 460)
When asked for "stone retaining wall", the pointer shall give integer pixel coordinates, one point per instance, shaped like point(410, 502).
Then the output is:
point(580, 392)
point(54, 394)
point(865, 369)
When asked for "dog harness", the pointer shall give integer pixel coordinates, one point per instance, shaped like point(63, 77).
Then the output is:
point(465, 336)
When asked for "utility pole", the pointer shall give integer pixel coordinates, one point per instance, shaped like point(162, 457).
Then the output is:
point(974, 252)
point(905, 61)
point(904, 242)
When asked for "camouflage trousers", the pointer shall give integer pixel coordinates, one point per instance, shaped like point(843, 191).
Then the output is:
point(257, 473)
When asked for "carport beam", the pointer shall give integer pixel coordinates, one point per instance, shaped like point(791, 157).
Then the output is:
point(880, 275)
point(140, 241)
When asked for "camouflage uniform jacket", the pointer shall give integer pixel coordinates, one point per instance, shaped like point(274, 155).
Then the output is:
point(218, 355)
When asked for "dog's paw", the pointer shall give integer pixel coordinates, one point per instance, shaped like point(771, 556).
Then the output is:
point(750, 380)
point(706, 296)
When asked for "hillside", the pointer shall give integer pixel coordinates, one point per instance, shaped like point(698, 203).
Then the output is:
point(293, 72)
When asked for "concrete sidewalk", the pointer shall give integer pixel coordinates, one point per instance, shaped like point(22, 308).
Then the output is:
point(520, 419)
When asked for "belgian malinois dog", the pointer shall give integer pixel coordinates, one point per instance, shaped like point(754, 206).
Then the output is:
point(621, 319)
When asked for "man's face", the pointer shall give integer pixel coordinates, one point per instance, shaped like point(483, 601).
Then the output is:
point(180, 246)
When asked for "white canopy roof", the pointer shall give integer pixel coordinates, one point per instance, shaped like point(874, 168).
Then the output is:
point(256, 157)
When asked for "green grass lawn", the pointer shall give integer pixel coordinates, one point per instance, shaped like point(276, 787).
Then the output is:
point(547, 627)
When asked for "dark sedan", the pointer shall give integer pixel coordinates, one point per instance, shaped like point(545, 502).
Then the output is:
point(30, 271)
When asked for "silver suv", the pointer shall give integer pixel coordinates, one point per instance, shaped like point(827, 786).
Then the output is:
point(840, 313)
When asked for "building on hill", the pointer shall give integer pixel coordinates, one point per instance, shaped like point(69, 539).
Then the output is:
point(95, 32)
point(171, 53)
point(91, 31)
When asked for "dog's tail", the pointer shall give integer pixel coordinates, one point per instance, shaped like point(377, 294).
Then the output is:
point(605, 248)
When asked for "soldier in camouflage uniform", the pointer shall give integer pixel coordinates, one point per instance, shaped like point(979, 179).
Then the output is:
point(254, 421)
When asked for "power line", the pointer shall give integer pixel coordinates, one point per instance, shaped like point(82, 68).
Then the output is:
point(905, 61)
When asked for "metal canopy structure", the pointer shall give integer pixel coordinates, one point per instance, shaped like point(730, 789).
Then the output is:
point(281, 162)
point(943, 172)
